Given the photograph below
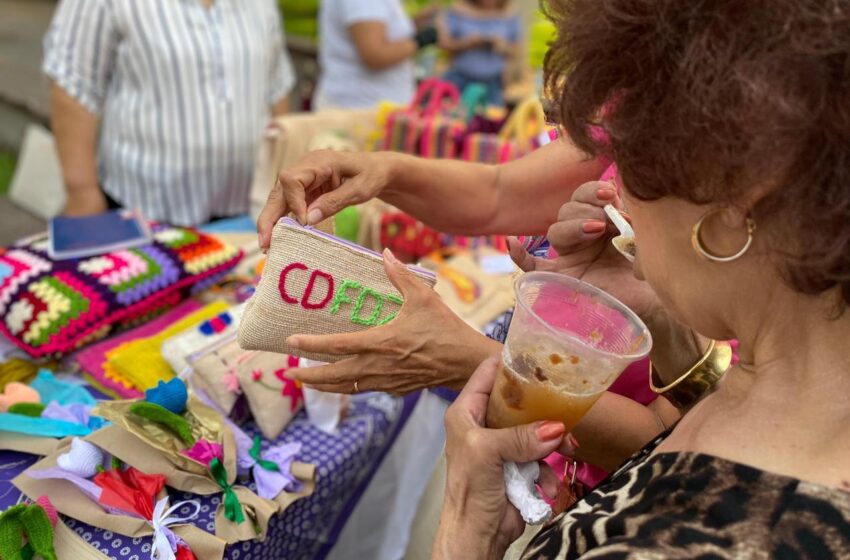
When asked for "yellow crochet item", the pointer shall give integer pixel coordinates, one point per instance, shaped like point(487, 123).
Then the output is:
point(140, 362)
point(16, 369)
point(110, 373)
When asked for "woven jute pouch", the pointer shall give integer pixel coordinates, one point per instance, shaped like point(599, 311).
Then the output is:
point(315, 283)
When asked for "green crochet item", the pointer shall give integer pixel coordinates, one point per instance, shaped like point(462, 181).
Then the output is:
point(164, 417)
point(27, 409)
point(30, 521)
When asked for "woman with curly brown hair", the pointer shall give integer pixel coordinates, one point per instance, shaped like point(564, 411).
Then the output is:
point(730, 124)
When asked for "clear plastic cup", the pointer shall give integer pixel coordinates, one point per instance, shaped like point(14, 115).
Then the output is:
point(568, 341)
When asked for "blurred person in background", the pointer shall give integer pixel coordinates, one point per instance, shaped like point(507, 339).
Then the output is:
point(481, 36)
point(366, 53)
point(160, 104)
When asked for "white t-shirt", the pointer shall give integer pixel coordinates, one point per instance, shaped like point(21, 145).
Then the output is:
point(345, 80)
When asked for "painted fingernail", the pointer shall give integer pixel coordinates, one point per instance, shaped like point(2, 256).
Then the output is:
point(593, 226)
point(547, 431)
point(606, 193)
point(314, 216)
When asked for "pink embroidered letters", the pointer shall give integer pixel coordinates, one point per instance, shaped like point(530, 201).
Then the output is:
point(338, 294)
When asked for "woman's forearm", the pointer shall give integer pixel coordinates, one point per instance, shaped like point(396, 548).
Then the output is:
point(75, 130)
point(518, 198)
point(459, 541)
point(614, 429)
point(446, 41)
point(616, 426)
point(375, 50)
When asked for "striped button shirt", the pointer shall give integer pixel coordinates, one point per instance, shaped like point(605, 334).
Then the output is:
point(183, 92)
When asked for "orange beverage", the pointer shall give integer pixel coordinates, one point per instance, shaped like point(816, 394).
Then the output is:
point(567, 343)
point(516, 401)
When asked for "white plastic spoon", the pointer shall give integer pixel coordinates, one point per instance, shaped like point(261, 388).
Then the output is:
point(625, 242)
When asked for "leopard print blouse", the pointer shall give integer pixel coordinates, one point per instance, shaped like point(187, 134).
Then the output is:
point(687, 505)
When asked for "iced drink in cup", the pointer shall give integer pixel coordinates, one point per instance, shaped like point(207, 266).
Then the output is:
point(567, 343)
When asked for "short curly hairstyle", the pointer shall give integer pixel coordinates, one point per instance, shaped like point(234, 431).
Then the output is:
point(702, 99)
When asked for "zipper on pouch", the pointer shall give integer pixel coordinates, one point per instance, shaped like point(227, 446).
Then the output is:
point(354, 246)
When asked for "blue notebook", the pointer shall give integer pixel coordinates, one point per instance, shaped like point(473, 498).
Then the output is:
point(72, 238)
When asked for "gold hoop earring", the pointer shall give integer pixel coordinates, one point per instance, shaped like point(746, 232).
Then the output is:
point(705, 253)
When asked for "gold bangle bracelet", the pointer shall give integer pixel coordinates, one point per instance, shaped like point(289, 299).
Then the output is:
point(696, 382)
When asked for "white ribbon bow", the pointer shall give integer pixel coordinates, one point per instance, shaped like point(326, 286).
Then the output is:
point(164, 539)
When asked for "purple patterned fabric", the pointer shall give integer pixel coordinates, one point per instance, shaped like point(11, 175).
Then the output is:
point(308, 529)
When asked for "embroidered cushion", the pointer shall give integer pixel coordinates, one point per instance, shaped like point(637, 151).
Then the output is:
point(177, 349)
point(273, 396)
point(214, 373)
point(224, 371)
point(316, 283)
point(53, 307)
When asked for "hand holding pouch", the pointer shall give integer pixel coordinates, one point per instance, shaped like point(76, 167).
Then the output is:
point(315, 283)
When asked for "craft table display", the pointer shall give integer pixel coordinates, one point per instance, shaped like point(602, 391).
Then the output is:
point(345, 461)
point(307, 529)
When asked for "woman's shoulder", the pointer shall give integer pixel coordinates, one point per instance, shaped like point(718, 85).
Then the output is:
point(691, 503)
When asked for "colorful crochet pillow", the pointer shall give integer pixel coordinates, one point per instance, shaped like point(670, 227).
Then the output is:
point(141, 361)
point(102, 375)
point(177, 349)
point(54, 307)
point(316, 283)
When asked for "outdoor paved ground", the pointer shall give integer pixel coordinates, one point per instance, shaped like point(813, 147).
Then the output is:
point(23, 93)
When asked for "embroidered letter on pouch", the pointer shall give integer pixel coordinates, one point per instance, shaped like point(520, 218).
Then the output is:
point(372, 319)
point(398, 301)
point(339, 293)
point(341, 297)
point(305, 301)
point(282, 283)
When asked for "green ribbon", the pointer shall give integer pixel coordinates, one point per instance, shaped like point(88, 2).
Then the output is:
point(255, 454)
point(232, 507)
point(29, 520)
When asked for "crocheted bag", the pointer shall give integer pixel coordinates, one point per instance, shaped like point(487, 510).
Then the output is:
point(316, 283)
point(141, 361)
point(99, 372)
point(53, 307)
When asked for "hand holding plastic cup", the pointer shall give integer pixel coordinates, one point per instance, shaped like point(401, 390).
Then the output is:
point(567, 343)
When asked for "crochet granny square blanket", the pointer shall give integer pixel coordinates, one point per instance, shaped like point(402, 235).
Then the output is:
point(50, 308)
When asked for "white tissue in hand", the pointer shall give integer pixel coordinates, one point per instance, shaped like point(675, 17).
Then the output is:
point(324, 410)
point(523, 494)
